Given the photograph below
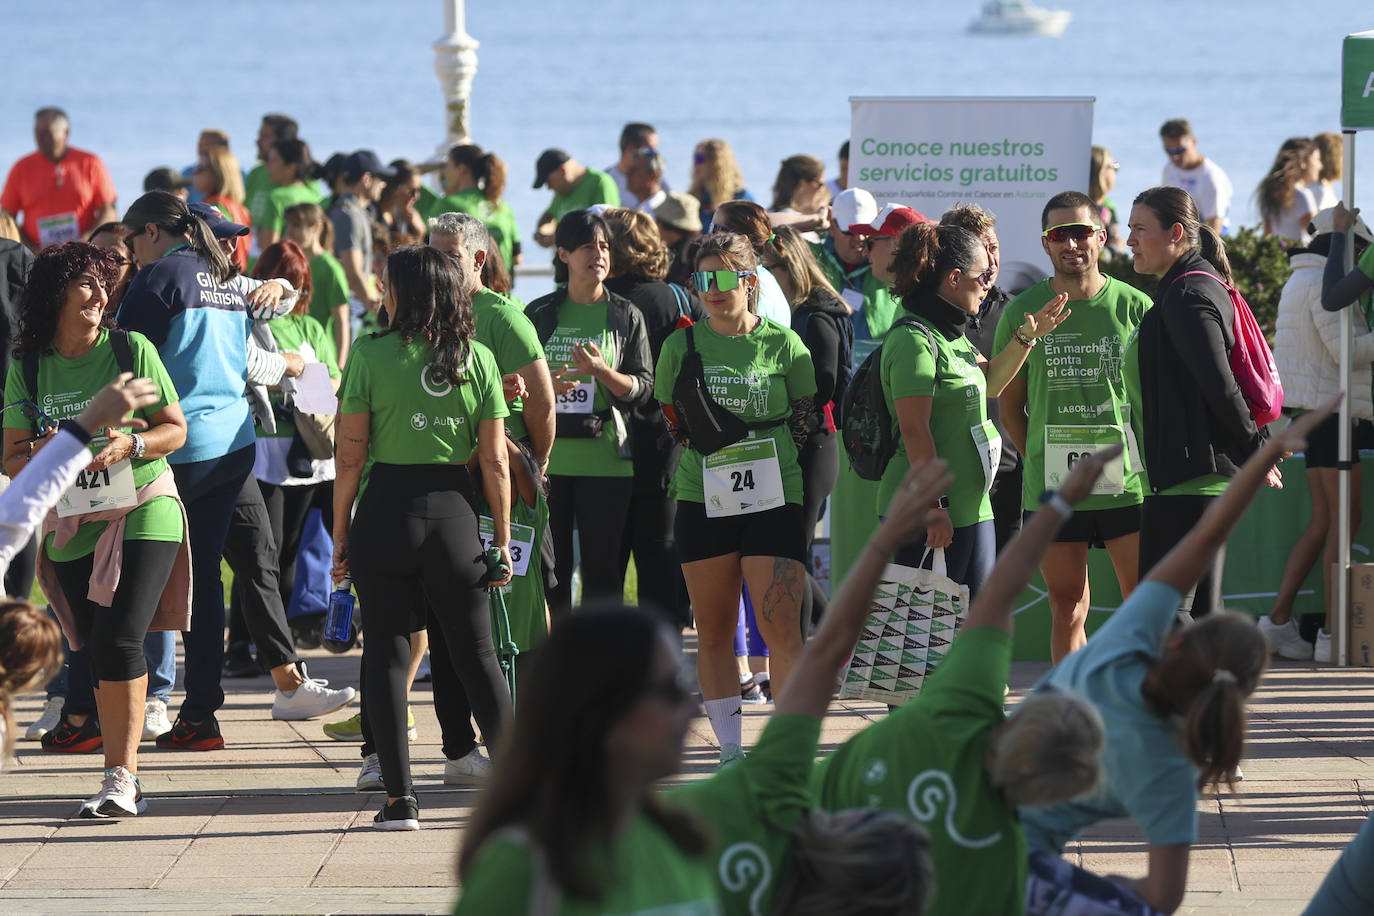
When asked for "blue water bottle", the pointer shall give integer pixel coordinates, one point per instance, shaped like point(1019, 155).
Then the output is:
point(339, 634)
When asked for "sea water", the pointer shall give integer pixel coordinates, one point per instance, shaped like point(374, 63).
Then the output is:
point(142, 77)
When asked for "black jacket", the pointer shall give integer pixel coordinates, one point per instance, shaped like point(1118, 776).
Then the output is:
point(816, 321)
point(656, 453)
point(15, 261)
point(982, 333)
point(1195, 420)
point(625, 324)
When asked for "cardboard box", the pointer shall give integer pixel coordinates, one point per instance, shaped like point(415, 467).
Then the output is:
point(1362, 614)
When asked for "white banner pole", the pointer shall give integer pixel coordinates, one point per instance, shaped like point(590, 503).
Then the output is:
point(1342, 621)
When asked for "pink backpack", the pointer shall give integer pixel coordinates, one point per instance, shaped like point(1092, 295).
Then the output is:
point(1252, 362)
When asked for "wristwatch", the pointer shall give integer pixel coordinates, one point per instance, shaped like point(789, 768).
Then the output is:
point(1052, 500)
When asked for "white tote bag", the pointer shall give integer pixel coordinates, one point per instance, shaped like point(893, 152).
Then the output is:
point(913, 619)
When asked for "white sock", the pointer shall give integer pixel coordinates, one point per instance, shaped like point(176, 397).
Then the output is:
point(727, 719)
point(761, 677)
point(745, 680)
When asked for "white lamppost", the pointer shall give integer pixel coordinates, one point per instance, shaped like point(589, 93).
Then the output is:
point(455, 63)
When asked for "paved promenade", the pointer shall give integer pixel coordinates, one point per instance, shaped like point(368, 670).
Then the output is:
point(272, 824)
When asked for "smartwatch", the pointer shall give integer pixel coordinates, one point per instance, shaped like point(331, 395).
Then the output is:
point(1052, 500)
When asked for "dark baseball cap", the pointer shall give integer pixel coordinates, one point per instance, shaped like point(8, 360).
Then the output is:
point(219, 224)
point(364, 160)
point(549, 160)
point(165, 179)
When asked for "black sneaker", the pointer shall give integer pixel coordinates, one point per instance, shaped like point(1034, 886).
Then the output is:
point(402, 814)
point(239, 661)
point(184, 736)
point(67, 738)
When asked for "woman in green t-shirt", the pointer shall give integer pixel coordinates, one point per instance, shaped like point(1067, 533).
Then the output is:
point(474, 182)
point(65, 327)
point(739, 513)
point(936, 385)
point(418, 400)
point(308, 227)
point(293, 175)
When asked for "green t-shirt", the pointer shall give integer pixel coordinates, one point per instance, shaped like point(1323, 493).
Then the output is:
point(501, 325)
point(328, 289)
point(599, 457)
point(925, 761)
point(755, 376)
point(525, 605)
point(648, 876)
point(65, 387)
point(1366, 265)
point(749, 805)
point(1075, 391)
point(304, 335)
point(278, 200)
point(595, 187)
point(428, 204)
point(1207, 484)
point(880, 307)
point(256, 186)
point(959, 424)
point(417, 419)
point(498, 217)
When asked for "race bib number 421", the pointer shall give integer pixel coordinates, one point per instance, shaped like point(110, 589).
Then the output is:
point(96, 491)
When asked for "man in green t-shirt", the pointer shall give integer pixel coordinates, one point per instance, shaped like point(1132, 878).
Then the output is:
point(574, 186)
point(501, 325)
point(1070, 399)
point(258, 184)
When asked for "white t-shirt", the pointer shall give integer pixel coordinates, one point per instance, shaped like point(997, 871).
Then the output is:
point(1291, 223)
point(1325, 193)
point(650, 203)
point(1208, 184)
point(626, 195)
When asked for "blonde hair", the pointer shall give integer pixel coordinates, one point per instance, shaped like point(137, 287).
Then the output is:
point(857, 862)
point(790, 253)
point(723, 179)
point(9, 229)
point(30, 653)
point(637, 249)
point(1048, 751)
point(225, 167)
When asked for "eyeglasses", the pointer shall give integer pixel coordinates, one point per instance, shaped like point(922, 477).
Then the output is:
point(133, 234)
point(1176, 151)
point(985, 278)
point(725, 280)
point(31, 411)
point(121, 260)
point(872, 241)
point(1079, 232)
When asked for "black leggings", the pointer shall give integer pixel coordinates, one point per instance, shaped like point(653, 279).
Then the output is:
point(114, 635)
point(252, 554)
point(1164, 520)
point(413, 546)
point(820, 466)
point(601, 508)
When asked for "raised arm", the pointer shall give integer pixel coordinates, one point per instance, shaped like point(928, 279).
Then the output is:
point(812, 682)
point(1339, 288)
point(994, 605)
point(1184, 565)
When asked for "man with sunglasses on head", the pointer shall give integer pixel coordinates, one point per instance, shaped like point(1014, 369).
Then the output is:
point(1195, 173)
point(1069, 399)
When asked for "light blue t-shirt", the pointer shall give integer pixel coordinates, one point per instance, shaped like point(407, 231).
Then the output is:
point(1349, 887)
point(1145, 775)
point(772, 303)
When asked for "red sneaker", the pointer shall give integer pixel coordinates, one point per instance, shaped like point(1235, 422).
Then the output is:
point(184, 736)
point(67, 738)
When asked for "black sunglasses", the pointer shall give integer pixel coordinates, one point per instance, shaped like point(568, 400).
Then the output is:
point(32, 412)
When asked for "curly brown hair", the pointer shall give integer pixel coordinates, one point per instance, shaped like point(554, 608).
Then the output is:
point(926, 253)
point(636, 247)
point(55, 267)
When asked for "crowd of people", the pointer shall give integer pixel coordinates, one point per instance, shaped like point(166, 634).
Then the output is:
point(679, 400)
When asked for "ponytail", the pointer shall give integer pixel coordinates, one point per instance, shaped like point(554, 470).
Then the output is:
point(493, 177)
point(1214, 729)
point(170, 214)
point(204, 243)
point(1213, 249)
point(926, 252)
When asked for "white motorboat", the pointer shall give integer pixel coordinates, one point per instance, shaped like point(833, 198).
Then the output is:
point(1020, 17)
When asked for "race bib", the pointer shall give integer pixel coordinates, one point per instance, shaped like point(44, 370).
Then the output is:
point(853, 298)
point(521, 542)
point(742, 478)
point(58, 228)
point(96, 491)
point(578, 400)
point(1064, 445)
point(989, 446)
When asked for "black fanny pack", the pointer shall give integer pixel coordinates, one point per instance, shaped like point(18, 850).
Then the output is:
point(580, 425)
point(708, 426)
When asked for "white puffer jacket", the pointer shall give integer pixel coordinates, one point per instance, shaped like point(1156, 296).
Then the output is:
point(1307, 344)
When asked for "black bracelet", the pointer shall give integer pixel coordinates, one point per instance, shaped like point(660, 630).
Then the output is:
point(76, 430)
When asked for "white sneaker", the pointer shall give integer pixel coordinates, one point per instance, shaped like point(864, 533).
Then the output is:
point(1284, 639)
point(370, 776)
point(729, 753)
point(119, 796)
point(312, 698)
point(155, 720)
point(1321, 653)
point(471, 769)
point(52, 714)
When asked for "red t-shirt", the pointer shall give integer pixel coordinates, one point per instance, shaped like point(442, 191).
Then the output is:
point(59, 200)
point(237, 213)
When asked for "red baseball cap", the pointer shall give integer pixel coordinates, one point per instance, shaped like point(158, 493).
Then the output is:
point(890, 221)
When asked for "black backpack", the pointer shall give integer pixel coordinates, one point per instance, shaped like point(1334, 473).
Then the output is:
point(867, 424)
point(124, 356)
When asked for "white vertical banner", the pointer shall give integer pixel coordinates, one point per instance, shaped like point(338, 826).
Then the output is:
point(1008, 155)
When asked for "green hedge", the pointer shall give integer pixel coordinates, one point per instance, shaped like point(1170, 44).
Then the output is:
point(1259, 264)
